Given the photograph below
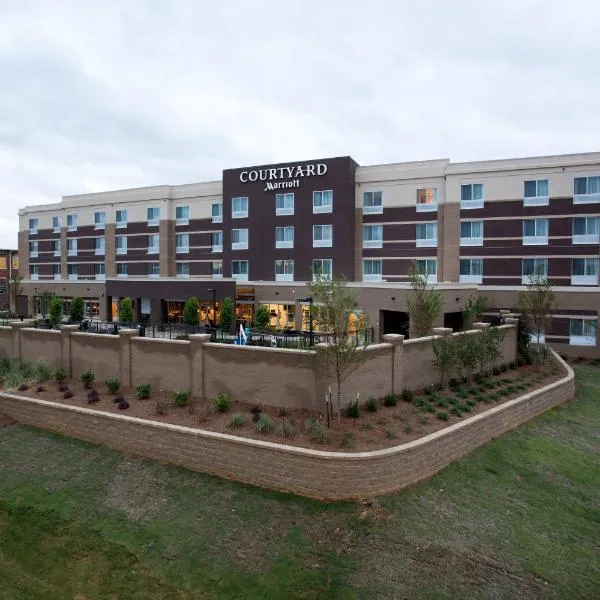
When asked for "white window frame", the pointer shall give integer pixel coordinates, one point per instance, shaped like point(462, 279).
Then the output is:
point(470, 277)
point(427, 262)
point(124, 267)
point(539, 199)
point(34, 249)
point(153, 248)
point(215, 247)
point(526, 278)
point(153, 221)
point(587, 238)
point(587, 335)
point(426, 206)
point(56, 276)
point(73, 225)
point(34, 272)
point(372, 203)
point(285, 274)
point(322, 208)
point(121, 223)
point(212, 269)
point(239, 213)
point(99, 251)
point(182, 220)
point(34, 224)
point(471, 240)
point(288, 201)
point(123, 248)
point(99, 276)
point(99, 224)
point(72, 276)
point(323, 242)
point(536, 239)
point(185, 272)
point(152, 268)
point(56, 227)
point(586, 278)
point(240, 276)
point(179, 247)
point(372, 276)
point(71, 246)
point(216, 218)
point(373, 242)
point(587, 198)
point(240, 245)
point(322, 261)
point(473, 203)
point(431, 235)
point(285, 243)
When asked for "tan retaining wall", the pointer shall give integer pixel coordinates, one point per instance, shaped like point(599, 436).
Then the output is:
point(326, 475)
point(6, 341)
point(97, 353)
point(40, 344)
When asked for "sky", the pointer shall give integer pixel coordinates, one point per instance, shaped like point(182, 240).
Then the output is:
point(108, 95)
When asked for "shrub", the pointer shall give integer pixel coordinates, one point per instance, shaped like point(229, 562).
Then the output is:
point(67, 394)
point(390, 435)
point(347, 440)
point(262, 317)
point(40, 388)
point(226, 314)
point(88, 379)
point(419, 402)
point(428, 407)
point(453, 383)
point(63, 387)
point(382, 421)
point(56, 311)
point(126, 310)
point(456, 411)
point(407, 395)
point(390, 400)
point(160, 406)
point(463, 394)
point(286, 429)
point(76, 310)
point(113, 384)
point(471, 403)
point(466, 407)
point(489, 399)
point(372, 404)
point(237, 421)
point(40, 371)
point(442, 402)
point(93, 397)
point(118, 399)
point(190, 312)
point(59, 375)
point(223, 403)
point(428, 391)
point(442, 416)
point(352, 411)
point(181, 398)
point(255, 410)
point(123, 405)
point(142, 392)
point(264, 424)
point(310, 424)
point(23, 387)
point(408, 428)
point(320, 434)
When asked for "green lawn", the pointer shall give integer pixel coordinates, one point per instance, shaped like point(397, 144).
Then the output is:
point(519, 518)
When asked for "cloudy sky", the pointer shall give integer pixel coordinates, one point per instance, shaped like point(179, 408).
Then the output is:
point(112, 94)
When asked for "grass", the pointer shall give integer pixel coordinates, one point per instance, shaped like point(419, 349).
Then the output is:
point(519, 518)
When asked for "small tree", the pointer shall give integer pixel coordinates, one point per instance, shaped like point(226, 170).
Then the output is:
point(76, 310)
point(190, 312)
point(15, 289)
point(425, 304)
point(444, 358)
point(491, 342)
point(126, 310)
point(226, 314)
point(262, 317)
point(343, 353)
point(467, 348)
point(473, 311)
point(56, 311)
point(537, 304)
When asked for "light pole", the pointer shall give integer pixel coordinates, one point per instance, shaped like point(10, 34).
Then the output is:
point(214, 293)
point(309, 299)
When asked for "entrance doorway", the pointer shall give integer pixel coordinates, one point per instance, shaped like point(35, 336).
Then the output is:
point(394, 321)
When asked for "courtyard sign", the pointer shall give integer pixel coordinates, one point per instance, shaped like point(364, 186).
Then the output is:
point(291, 175)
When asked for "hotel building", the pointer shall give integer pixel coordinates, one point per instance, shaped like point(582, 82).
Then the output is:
point(261, 232)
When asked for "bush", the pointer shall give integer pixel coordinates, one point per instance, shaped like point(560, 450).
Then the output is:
point(453, 383)
point(160, 406)
point(264, 424)
point(23, 387)
point(76, 310)
point(117, 399)
point(181, 398)
point(428, 407)
point(407, 395)
point(223, 403)
point(390, 400)
point(310, 424)
point(352, 411)
point(93, 397)
point(56, 311)
point(226, 314)
point(59, 375)
point(237, 421)
point(190, 312)
point(456, 411)
point(347, 440)
point(63, 387)
point(123, 405)
point(142, 392)
point(126, 310)
point(88, 379)
point(68, 394)
point(442, 402)
point(320, 433)
point(40, 388)
point(113, 384)
point(390, 435)
point(408, 428)
point(372, 404)
point(442, 416)
point(287, 429)
point(40, 371)
point(262, 317)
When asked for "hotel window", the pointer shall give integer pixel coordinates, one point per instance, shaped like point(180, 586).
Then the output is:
point(535, 232)
point(471, 195)
point(426, 235)
point(239, 270)
point(72, 247)
point(427, 199)
point(582, 332)
point(182, 243)
point(34, 272)
point(372, 203)
point(72, 274)
point(372, 269)
point(56, 247)
point(182, 215)
point(216, 269)
point(121, 241)
point(33, 226)
point(284, 270)
point(217, 212)
point(99, 246)
point(216, 238)
point(322, 236)
point(535, 193)
point(239, 207)
point(427, 267)
point(33, 249)
point(322, 267)
point(471, 233)
point(122, 270)
point(153, 244)
point(586, 230)
point(56, 272)
point(584, 271)
point(587, 190)
point(71, 222)
point(121, 218)
point(154, 269)
point(55, 224)
point(153, 216)
point(284, 237)
point(99, 218)
point(183, 270)
point(533, 268)
point(100, 271)
point(372, 236)
point(239, 239)
point(323, 201)
point(284, 204)
point(471, 270)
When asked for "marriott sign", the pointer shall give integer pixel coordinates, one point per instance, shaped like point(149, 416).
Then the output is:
point(291, 176)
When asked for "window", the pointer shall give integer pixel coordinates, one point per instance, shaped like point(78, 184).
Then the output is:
point(182, 215)
point(284, 270)
point(533, 268)
point(372, 236)
point(121, 218)
point(284, 237)
point(426, 235)
point(239, 239)
point(183, 270)
point(56, 247)
point(586, 230)
point(56, 224)
point(217, 212)
point(587, 190)
point(71, 247)
point(99, 246)
point(72, 272)
point(216, 269)
point(182, 243)
point(217, 241)
point(582, 332)
point(323, 202)
point(100, 271)
point(584, 271)
point(56, 272)
point(121, 241)
point(99, 218)
point(34, 272)
point(239, 270)
point(535, 232)
point(153, 216)
point(71, 222)
point(428, 268)
point(239, 207)
point(154, 269)
point(122, 270)
point(3, 284)
point(427, 199)
point(471, 233)
point(153, 244)
point(322, 267)
point(471, 270)
point(33, 226)
point(322, 236)
point(372, 269)
point(284, 204)
point(535, 193)
point(471, 195)
point(372, 203)
point(33, 249)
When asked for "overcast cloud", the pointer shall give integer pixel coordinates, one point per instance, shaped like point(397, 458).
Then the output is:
point(113, 94)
